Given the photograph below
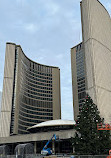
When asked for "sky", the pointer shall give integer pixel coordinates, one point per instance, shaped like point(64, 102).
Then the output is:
point(46, 30)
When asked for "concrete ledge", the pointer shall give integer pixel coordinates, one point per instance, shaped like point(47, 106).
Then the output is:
point(63, 134)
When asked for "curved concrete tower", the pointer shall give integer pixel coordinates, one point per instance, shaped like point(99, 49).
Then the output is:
point(96, 26)
point(31, 93)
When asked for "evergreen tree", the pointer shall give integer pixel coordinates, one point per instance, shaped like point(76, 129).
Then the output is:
point(90, 140)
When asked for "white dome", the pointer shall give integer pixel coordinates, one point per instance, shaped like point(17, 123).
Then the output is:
point(53, 123)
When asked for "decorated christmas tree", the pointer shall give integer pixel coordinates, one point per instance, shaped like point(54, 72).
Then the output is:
point(88, 140)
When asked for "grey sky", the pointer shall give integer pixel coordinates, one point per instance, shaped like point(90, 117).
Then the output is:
point(46, 30)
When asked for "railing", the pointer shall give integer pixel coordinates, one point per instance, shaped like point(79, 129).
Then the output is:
point(56, 156)
point(101, 126)
point(83, 156)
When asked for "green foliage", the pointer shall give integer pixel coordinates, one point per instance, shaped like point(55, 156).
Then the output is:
point(90, 140)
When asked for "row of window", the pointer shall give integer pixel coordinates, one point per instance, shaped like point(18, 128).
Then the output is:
point(79, 56)
point(80, 68)
point(35, 66)
point(22, 132)
point(34, 85)
point(34, 112)
point(27, 87)
point(22, 127)
point(35, 103)
point(79, 47)
point(27, 124)
point(36, 75)
point(80, 64)
point(37, 79)
point(81, 95)
point(38, 67)
point(80, 52)
point(24, 90)
point(36, 82)
point(81, 81)
point(14, 89)
point(27, 75)
point(29, 115)
point(81, 86)
point(36, 97)
point(80, 59)
point(81, 90)
point(80, 74)
point(23, 120)
point(35, 108)
point(80, 71)
point(33, 119)
point(39, 73)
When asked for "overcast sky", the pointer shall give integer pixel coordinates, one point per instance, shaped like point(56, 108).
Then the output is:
point(46, 30)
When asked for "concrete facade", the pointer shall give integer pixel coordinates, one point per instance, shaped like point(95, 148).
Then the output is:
point(7, 93)
point(31, 92)
point(96, 26)
point(63, 145)
point(65, 134)
point(96, 31)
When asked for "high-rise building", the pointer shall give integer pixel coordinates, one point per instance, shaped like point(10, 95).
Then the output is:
point(78, 77)
point(96, 31)
point(31, 93)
